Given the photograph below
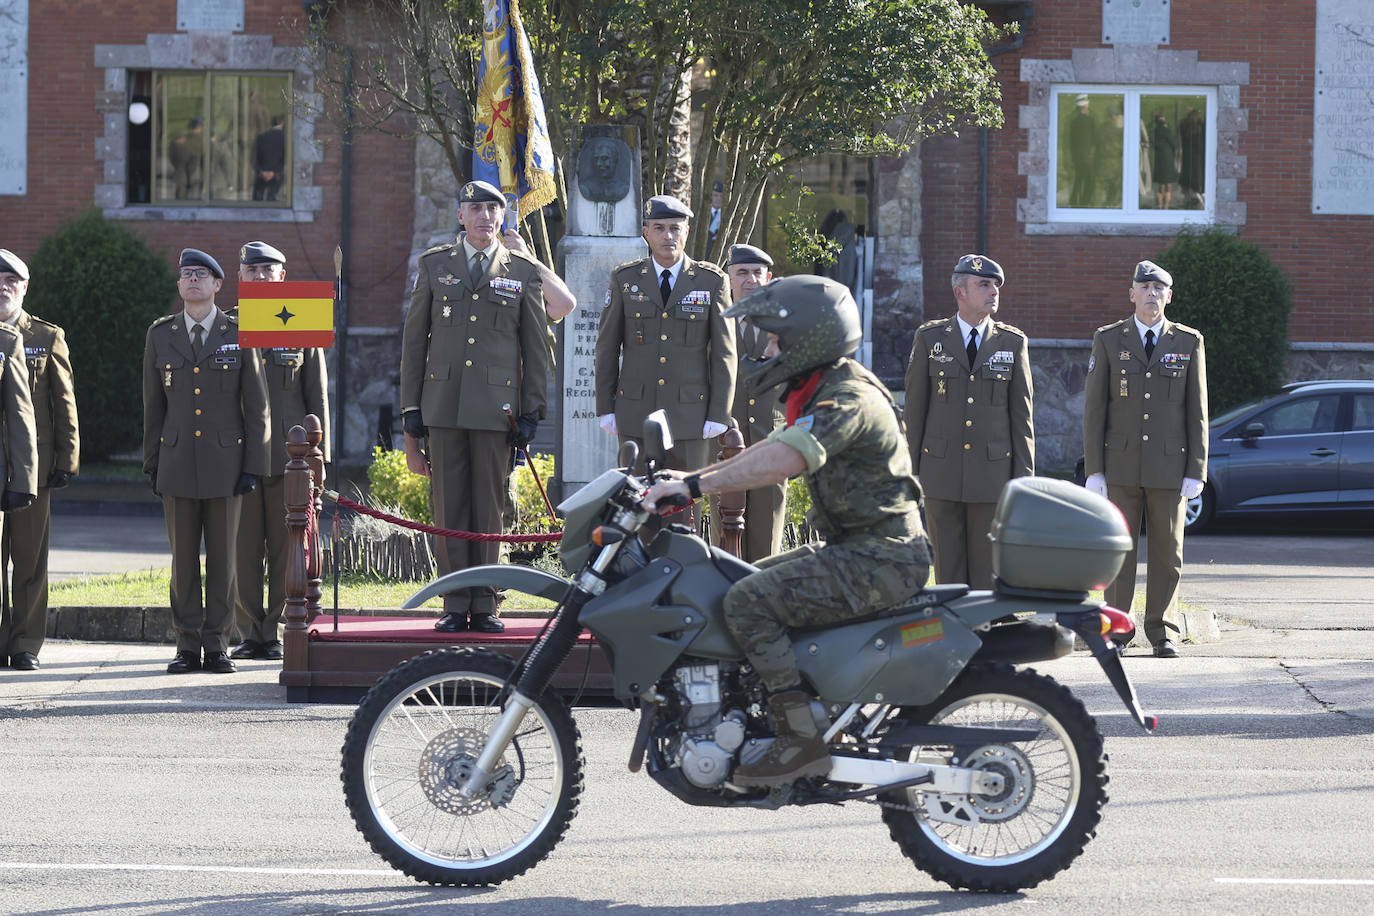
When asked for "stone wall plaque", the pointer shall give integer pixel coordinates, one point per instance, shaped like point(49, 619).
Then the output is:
point(14, 96)
point(1135, 22)
point(210, 15)
point(1343, 109)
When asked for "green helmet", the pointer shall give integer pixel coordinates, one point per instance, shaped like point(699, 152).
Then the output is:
point(815, 319)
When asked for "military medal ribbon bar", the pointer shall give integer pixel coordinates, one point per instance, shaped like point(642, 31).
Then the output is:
point(286, 314)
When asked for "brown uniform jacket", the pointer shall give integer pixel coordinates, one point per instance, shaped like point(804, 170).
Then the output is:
point(19, 457)
point(297, 384)
point(970, 429)
point(54, 396)
point(757, 414)
point(679, 356)
point(468, 349)
point(205, 420)
point(1145, 421)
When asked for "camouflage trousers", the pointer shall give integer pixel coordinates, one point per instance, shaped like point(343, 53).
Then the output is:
point(818, 584)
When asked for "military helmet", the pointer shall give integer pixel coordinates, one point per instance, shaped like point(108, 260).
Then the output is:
point(816, 321)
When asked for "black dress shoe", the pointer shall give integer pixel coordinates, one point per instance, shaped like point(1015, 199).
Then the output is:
point(184, 662)
point(24, 661)
point(220, 663)
point(1165, 648)
point(486, 623)
point(451, 623)
point(273, 650)
point(249, 648)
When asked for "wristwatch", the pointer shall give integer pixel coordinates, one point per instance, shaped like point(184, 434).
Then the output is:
point(693, 482)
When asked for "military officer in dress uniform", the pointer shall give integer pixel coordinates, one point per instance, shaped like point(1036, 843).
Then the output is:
point(968, 420)
point(206, 441)
point(297, 384)
point(1145, 440)
point(758, 415)
point(664, 341)
point(473, 342)
point(18, 433)
point(25, 616)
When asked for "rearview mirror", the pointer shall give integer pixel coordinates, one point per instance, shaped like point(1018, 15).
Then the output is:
point(658, 438)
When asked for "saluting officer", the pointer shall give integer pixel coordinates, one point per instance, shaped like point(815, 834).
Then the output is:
point(969, 420)
point(206, 441)
point(757, 414)
point(25, 616)
point(664, 341)
point(297, 384)
point(1145, 440)
point(473, 342)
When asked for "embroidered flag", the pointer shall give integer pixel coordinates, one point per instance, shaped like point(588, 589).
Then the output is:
point(286, 314)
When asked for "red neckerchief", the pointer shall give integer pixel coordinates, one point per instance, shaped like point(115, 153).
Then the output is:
point(798, 396)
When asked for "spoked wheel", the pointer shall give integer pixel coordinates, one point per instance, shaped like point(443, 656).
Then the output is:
point(1052, 790)
point(412, 744)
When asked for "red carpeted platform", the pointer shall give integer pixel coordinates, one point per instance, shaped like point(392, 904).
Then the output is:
point(330, 665)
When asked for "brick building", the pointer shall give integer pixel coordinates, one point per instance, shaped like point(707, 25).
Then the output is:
point(112, 90)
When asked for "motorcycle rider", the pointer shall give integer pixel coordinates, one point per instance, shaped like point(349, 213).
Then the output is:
point(842, 431)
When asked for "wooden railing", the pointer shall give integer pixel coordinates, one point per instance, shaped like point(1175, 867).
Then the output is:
point(304, 498)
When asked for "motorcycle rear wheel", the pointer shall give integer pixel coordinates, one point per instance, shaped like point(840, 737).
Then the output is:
point(414, 737)
point(1051, 803)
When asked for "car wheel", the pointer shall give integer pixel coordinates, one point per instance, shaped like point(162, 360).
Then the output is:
point(1200, 511)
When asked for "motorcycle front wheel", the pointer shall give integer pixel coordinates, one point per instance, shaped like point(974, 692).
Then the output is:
point(1053, 790)
point(412, 743)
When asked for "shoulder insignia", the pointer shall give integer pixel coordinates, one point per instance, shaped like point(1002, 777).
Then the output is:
point(522, 256)
point(438, 248)
point(708, 267)
point(1113, 325)
point(165, 318)
point(1010, 329)
point(932, 323)
point(44, 322)
point(1185, 329)
point(628, 264)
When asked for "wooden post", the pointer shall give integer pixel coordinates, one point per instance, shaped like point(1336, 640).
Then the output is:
point(732, 520)
point(314, 556)
point(299, 501)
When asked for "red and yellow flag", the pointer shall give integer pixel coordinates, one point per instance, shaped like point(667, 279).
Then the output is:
point(286, 314)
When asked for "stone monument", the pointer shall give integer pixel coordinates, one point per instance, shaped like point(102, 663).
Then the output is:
point(604, 231)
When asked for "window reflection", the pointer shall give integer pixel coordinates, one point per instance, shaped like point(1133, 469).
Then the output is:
point(1090, 146)
point(1173, 152)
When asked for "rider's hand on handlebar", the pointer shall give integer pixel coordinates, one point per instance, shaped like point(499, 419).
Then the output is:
point(668, 493)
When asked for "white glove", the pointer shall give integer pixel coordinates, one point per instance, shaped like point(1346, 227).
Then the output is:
point(1191, 488)
point(710, 430)
point(607, 422)
point(1097, 483)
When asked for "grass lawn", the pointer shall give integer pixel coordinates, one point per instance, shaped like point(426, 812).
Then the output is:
point(149, 589)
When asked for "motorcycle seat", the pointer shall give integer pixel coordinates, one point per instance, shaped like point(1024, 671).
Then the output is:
point(926, 597)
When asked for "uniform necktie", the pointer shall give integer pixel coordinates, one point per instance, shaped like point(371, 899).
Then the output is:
point(972, 347)
point(197, 339)
point(477, 266)
point(664, 286)
point(1149, 344)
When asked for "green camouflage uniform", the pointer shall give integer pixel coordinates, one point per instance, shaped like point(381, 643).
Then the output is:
point(864, 504)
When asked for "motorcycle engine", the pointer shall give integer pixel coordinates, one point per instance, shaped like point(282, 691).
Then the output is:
point(710, 736)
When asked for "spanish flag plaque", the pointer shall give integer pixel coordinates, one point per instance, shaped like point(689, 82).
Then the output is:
point(286, 314)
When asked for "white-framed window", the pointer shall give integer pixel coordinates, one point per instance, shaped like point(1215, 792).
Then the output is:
point(1132, 154)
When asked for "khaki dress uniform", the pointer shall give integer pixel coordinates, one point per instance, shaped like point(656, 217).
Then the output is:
point(205, 423)
point(297, 384)
point(765, 508)
point(18, 436)
point(677, 355)
point(970, 430)
point(1145, 428)
point(468, 349)
point(26, 534)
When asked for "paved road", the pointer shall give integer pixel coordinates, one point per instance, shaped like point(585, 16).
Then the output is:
point(129, 791)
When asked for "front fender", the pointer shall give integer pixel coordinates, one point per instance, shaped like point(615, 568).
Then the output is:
point(525, 579)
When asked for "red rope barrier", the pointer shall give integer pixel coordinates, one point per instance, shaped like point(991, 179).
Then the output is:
point(441, 532)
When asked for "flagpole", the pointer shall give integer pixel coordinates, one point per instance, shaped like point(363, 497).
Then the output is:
point(543, 234)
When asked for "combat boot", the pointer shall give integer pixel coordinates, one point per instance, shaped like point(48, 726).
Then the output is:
point(798, 750)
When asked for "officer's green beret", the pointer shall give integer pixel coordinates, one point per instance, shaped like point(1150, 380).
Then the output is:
point(1149, 271)
point(665, 206)
point(481, 192)
point(194, 257)
point(748, 254)
point(980, 266)
point(260, 253)
point(10, 263)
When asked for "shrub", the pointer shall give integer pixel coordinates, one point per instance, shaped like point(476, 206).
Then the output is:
point(1239, 299)
point(394, 484)
point(104, 286)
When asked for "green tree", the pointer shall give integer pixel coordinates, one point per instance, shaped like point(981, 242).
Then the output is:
point(104, 286)
point(1231, 291)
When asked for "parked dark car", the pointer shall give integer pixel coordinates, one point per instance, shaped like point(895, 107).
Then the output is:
point(1308, 449)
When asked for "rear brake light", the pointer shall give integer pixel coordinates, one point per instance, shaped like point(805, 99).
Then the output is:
point(1114, 621)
